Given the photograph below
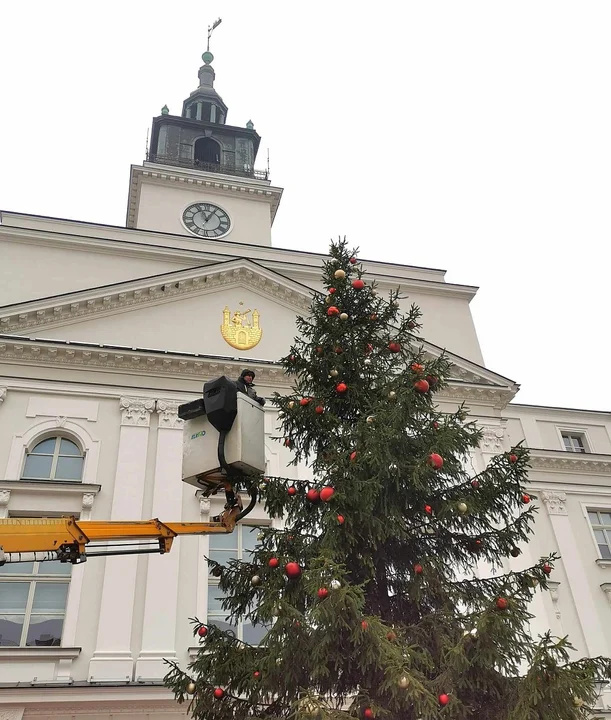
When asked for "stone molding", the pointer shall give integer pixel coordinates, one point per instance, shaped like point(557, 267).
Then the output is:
point(204, 503)
point(567, 462)
point(168, 414)
point(3, 392)
point(493, 437)
point(125, 298)
point(555, 502)
point(5, 496)
point(136, 411)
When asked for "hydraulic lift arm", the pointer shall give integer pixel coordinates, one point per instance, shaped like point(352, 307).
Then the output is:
point(70, 540)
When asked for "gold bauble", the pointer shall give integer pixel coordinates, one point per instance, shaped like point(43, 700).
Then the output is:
point(191, 688)
point(291, 404)
point(577, 702)
point(334, 372)
point(462, 507)
point(403, 682)
point(343, 316)
point(392, 395)
point(255, 580)
point(329, 299)
point(339, 274)
point(370, 419)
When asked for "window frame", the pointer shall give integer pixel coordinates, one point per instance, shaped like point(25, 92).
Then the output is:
point(575, 431)
point(213, 582)
point(606, 529)
point(587, 507)
point(58, 436)
point(33, 579)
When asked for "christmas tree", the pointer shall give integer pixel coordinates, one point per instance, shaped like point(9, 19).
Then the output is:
point(366, 600)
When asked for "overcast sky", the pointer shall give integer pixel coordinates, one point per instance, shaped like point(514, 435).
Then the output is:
point(463, 135)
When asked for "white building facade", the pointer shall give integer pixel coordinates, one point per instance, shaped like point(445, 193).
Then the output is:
point(105, 330)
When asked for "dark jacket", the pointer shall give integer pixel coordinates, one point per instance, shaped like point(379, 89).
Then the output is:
point(249, 389)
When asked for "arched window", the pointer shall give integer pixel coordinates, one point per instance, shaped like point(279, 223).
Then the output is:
point(207, 152)
point(55, 458)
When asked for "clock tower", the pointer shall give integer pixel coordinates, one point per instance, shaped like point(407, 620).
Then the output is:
point(199, 177)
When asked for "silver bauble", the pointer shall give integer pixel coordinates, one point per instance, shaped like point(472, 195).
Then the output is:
point(255, 580)
point(334, 372)
point(335, 584)
point(343, 316)
point(392, 395)
point(370, 419)
point(367, 361)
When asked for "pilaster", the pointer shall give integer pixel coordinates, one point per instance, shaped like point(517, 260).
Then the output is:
point(555, 503)
point(161, 599)
point(112, 659)
point(201, 603)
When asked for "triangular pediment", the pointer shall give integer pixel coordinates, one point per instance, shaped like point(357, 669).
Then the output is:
point(182, 313)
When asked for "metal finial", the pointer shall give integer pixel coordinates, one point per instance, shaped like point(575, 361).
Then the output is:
point(211, 28)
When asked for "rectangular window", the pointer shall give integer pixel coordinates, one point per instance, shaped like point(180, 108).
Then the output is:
point(574, 442)
point(601, 525)
point(224, 547)
point(33, 600)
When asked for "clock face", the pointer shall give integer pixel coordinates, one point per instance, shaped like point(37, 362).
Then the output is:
point(206, 220)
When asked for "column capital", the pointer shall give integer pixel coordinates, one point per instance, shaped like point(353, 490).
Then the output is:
point(493, 437)
point(136, 411)
point(555, 502)
point(168, 414)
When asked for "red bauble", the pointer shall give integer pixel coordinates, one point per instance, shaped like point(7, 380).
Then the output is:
point(443, 699)
point(358, 284)
point(475, 484)
point(331, 291)
point(319, 409)
point(313, 495)
point(432, 380)
point(218, 693)
point(320, 350)
point(256, 674)
point(502, 603)
point(326, 494)
point(203, 631)
point(353, 260)
point(513, 458)
point(373, 316)
point(341, 519)
point(292, 570)
point(417, 368)
point(394, 347)
point(369, 348)
point(525, 499)
point(422, 386)
point(436, 425)
point(322, 593)
point(435, 461)
point(418, 569)
point(368, 713)
point(353, 455)
point(547, 568)
point(411, 324)
point(288, 442)
point(338, 350)
point(292, 490)
point(331, 311)
point(428, 509)
point(304, 401)
point(341, 387)
point(292, 358)
point(364, 624)
point(391, 635)
point(273, 562)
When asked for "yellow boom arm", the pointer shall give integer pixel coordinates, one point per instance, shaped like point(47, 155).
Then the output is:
point(67, 539)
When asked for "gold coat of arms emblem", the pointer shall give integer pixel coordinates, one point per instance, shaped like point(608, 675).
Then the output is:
point(240, 328)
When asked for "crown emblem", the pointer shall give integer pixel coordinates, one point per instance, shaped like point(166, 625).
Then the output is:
point(240, 328)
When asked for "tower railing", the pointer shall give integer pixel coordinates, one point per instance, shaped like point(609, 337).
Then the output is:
point(221, 168)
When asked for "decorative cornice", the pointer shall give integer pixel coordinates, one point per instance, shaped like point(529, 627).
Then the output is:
point(497, 397)
point(168, 414)
point(555, 502)
point(261, 190)
point(562, 461)
point(2, 395)
point(136, 411)
point(126, 296)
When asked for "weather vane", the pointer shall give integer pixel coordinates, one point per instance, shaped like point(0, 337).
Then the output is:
point(211, 28)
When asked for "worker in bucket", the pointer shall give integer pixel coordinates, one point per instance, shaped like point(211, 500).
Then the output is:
point(246, 383)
